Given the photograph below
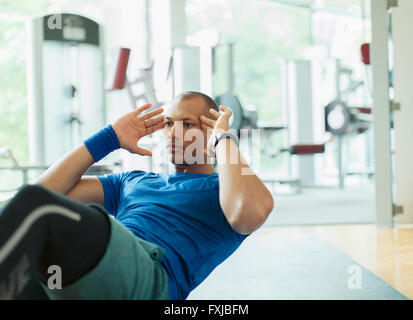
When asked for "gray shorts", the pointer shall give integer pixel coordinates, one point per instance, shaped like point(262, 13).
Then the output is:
point(130, 269)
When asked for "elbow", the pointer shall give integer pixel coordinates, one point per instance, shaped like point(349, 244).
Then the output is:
point(262, 207)
point(252, 215)
point(267, 205)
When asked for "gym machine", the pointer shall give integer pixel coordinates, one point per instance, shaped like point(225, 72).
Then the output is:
point(344, 121)
point(66, 98)
point(118, 80)
point(193, 67)
point(140, 90)
point(340, 121)
point(247, 118)
point(7, 153)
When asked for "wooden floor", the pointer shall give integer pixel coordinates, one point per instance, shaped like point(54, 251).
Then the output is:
point(388, 253)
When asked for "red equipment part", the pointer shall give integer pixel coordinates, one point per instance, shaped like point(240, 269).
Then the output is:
point(302, 149)
point(117, 77)
point(364, 110)
point(365, 53)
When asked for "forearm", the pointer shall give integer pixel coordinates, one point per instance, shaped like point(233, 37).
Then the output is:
point(242, 193)
point(62, 176)
point(66, 173)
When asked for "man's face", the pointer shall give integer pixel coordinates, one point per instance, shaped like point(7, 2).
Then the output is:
point(185, 139)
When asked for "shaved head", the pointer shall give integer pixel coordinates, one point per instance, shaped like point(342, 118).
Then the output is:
point(209, 102)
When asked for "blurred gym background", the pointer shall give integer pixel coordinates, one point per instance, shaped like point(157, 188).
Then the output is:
point(311, 81)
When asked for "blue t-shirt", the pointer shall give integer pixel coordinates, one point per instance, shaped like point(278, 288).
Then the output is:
point(179, 212)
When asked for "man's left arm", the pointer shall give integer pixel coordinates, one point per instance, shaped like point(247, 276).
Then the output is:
point(244, 198)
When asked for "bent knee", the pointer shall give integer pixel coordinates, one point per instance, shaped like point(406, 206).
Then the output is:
point(31, 196)
point(31, 191)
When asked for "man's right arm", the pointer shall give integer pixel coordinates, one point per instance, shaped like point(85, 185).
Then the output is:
point(66, 177)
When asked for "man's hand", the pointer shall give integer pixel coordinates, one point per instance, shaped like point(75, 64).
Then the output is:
point(220, 124)
point(132, 127)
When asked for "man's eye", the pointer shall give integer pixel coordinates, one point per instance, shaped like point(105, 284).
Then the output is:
point(187, 125)
point(168, 123)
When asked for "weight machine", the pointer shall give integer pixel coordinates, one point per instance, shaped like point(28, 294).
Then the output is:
point(140, 90)
point(248, 118)
point(66, 97)
point(118, 80)
point(344, 121)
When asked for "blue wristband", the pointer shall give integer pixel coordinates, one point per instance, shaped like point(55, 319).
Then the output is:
point(102, 143)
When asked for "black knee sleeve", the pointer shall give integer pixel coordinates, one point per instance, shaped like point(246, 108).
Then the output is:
point(38, 228)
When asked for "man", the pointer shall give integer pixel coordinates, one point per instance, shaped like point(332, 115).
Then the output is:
point(136, 235)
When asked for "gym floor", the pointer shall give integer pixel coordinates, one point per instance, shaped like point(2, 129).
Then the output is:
point(312, 263)
point(304, 250)
point(386, 252)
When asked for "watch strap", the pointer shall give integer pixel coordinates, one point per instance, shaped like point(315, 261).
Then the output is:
point(224, 135)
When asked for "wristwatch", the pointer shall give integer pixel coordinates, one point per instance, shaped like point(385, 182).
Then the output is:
point(220, 136)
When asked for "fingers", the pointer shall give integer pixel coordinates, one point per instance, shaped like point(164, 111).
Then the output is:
point(141, 109)
point(142, 151)
point(155, 128)
point(227, 111)
point(152, 114)
point(206, 128)
point(153, 122)
point(215, 113)
point(206, 121)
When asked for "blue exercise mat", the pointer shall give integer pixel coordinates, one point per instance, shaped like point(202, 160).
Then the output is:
point(297, 267)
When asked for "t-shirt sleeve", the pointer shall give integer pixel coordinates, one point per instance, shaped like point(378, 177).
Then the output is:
point(112, 185)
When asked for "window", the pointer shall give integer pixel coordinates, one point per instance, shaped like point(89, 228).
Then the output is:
point(263, 32)
point(124, 26)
